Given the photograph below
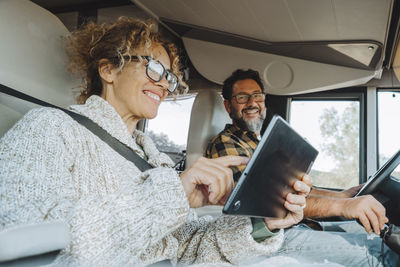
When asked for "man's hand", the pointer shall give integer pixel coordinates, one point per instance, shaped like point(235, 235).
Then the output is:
point(350, 192)
point(210, 181)
point(327, 203)
point(295, 203)
point(369, 211)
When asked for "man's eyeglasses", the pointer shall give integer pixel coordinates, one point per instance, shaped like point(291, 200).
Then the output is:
point(242, 98)
point(156, 71)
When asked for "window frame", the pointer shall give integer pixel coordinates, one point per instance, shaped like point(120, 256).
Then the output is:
point(378, 90)
point(355, 94)
point(143, 124)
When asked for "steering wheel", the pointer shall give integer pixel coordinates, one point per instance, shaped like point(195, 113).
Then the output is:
point(385, 188)
point(381, 176)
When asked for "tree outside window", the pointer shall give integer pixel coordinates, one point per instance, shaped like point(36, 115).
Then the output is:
point(333, 128)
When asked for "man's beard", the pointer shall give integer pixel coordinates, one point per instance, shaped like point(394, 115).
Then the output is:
point(254, 125)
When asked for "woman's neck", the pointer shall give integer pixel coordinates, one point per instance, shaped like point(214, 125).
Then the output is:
point(130, 122)
point(126, 116)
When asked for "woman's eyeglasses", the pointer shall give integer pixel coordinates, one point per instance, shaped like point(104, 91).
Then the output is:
point(156, 71)
point(242, 98)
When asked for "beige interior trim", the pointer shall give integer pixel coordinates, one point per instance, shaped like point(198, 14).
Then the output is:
point(32, 53)
point(207, 119)
point(281, 75)
point(396, 63)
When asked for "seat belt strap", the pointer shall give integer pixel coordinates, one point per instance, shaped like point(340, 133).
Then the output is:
point(114, 143)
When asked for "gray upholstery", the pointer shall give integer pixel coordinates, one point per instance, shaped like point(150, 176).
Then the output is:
point(32, 61)
point(37, 260)
point(34, 239)
point(207, 119)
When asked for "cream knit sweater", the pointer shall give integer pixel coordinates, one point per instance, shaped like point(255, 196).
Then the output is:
point(53, 168)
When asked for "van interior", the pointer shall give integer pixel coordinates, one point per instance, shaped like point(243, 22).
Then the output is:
point(341, 57)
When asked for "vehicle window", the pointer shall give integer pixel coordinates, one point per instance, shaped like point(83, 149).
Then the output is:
point(396, 173)
point(388, 126)
point(169, 129)
point(332, 127)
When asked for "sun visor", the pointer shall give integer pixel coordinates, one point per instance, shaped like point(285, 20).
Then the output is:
point(282, 75)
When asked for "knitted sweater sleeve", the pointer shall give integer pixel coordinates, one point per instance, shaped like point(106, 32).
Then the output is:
point(225, 239)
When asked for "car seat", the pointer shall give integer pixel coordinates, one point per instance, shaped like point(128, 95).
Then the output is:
point(32, 61)
point(207, 119)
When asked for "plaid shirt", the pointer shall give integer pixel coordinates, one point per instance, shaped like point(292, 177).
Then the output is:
point(233, 141)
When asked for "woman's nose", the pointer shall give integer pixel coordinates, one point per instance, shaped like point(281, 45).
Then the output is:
point(163, 83)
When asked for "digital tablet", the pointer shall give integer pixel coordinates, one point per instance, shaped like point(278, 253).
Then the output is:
point(281, 156)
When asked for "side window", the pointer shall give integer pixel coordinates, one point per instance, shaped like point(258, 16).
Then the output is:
point(388, 126)
point(169, 129)
point(332, 127)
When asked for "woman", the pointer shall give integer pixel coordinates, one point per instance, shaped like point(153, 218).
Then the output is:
point(53, 168)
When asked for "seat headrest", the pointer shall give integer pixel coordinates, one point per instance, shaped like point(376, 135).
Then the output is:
point(32, 54)
point(32, 59)
point(207, 119)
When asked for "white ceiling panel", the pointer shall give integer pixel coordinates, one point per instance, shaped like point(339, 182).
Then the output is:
point(363, 19)
point(282, 20)
point(236, 11)
point(316, 21)
point(274, 21)
point(355, 25)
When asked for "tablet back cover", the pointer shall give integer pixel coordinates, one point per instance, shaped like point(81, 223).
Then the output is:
point(271, 172)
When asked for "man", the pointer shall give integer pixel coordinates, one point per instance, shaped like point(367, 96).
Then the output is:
point(244, 100)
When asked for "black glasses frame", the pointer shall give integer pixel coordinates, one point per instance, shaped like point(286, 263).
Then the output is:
point(166, 72)
point(249, 96)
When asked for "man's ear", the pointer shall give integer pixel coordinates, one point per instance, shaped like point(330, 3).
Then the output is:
point(106, 71)
point(227, 105)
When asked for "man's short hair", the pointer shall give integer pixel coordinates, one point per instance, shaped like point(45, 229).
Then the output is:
point(238, 75)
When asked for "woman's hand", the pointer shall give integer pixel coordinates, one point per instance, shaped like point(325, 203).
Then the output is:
point(295, 203)
point(308, 181)
point(210, 181)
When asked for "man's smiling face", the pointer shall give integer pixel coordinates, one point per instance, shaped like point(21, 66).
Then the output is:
point(250, 115)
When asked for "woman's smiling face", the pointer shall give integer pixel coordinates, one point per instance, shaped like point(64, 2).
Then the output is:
point(132, 93)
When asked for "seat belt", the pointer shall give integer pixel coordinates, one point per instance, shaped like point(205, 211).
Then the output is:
point(114, 143)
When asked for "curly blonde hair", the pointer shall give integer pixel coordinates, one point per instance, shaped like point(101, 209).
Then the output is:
point(113, 41)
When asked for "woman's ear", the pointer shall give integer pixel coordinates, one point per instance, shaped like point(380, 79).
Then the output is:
point(106, 71)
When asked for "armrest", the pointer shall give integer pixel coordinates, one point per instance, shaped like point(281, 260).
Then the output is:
point(34, 239)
